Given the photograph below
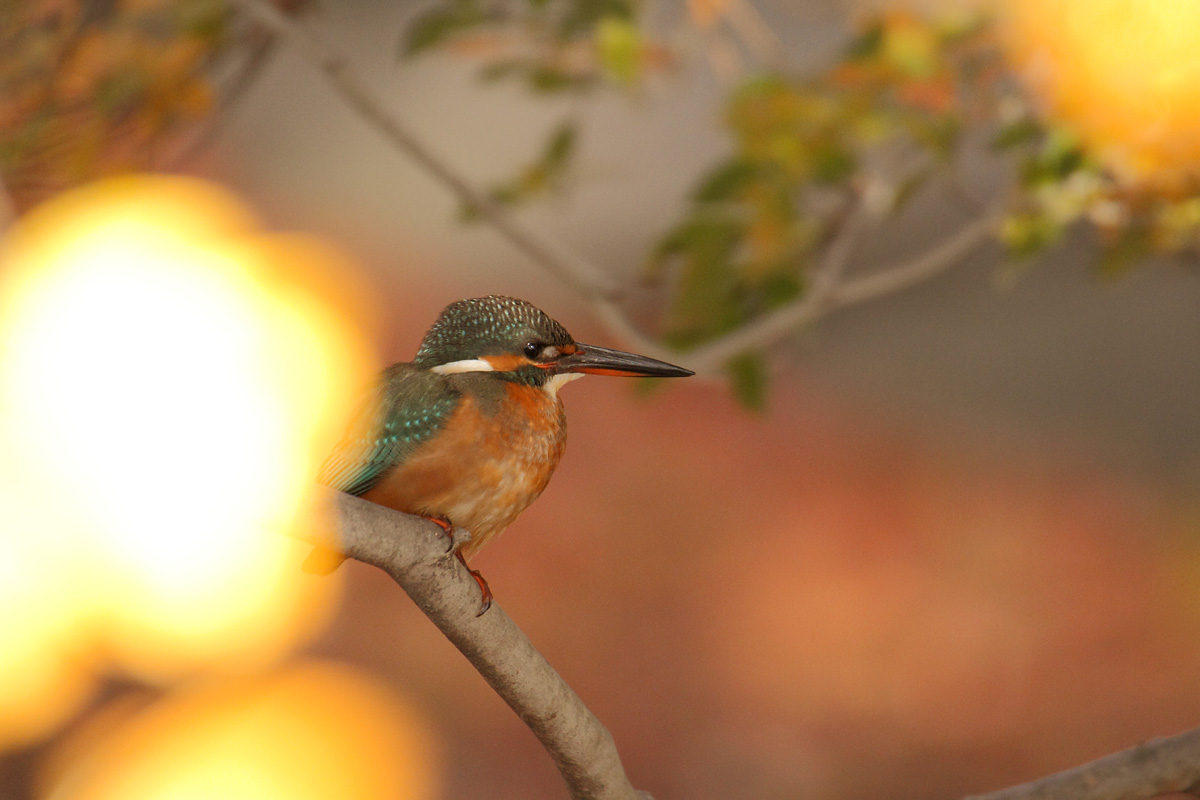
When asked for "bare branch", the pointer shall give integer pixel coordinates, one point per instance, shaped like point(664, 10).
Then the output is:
point(745, 19)
point(413, 551)
point(260, 50)
point(839, 250)
point(820, 299)
point(915, 270)
point(596, 286)
point(1157, 767)
point(723, 57)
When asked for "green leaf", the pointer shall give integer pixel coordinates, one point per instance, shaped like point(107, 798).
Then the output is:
point(1028, 234)
point(833, 163)
point(940, 134)
point(583, 15)
point(559, 147)
point(956, 29)
point(1059, 156)
point(619, 47)
point(542, 175)
point(726, 182)
point(868, 44)
point(207, 19)
point(780, 288)
point(909, 186)
point(432, 28)
point(913, 50)
point(748, 379)
point(699, 233)
point(703, 303)
point(551, 80)
point(1022, 132)
point(1062, 163)
point(546, 171)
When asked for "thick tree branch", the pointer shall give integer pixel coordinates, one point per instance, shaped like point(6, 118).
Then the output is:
point(1157, 767)
point(414, 552)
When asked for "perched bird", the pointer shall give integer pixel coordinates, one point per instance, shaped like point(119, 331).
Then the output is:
point(469, 433)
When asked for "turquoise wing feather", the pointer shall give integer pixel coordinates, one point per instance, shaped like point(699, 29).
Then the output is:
point(405, 409)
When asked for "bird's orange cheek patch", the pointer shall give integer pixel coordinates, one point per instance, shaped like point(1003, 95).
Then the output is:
point(507, 363)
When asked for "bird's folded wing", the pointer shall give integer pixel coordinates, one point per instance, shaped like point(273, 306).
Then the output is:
point(405, 408)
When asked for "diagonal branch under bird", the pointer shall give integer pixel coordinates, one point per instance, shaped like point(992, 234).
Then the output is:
point(413, 551)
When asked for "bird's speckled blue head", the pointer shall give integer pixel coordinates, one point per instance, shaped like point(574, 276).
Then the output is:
point(488, 326)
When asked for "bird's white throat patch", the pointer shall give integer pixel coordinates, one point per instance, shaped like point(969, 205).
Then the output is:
point(466, 365)
point(556, 381)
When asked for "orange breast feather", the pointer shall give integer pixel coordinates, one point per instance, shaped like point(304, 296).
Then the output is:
point(482, 470)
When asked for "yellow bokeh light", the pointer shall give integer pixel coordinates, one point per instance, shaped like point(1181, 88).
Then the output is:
point(314, 731)
point(45, 669)
point(1122, 74)
point(169, 380)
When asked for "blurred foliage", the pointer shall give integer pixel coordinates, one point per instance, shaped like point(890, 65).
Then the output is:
point(546, 174)
point(96, 88)
point(805, 151)
point(1059, 184)
point(92, 88)
point(900, 105)
point(550, 46)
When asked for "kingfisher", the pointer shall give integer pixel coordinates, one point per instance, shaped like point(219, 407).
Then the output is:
point(469, 432)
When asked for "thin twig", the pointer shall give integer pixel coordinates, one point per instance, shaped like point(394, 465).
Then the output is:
point(838, 251)
point(260, 52)
point(744, 18)
point(595, 285)
point(723, 57)
point(1157, 767)
point(413, 552)
point(915, 270)
point(813, 305)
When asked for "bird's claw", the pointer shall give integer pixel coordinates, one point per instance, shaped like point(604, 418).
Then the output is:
point(447, 528)
point(485, 601)
point(458, 537)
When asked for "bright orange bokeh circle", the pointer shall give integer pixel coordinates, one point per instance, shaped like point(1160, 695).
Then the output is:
point(1123, 75)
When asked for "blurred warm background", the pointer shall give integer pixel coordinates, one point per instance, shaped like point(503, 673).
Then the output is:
point(958, 549)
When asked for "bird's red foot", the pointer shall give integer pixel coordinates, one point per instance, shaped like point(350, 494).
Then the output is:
point(485, 590)
point(445, 524)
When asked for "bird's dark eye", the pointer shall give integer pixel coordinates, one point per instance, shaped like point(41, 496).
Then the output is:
point(534, 349)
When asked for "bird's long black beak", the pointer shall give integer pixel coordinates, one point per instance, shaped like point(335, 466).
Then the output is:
point(602, 361)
